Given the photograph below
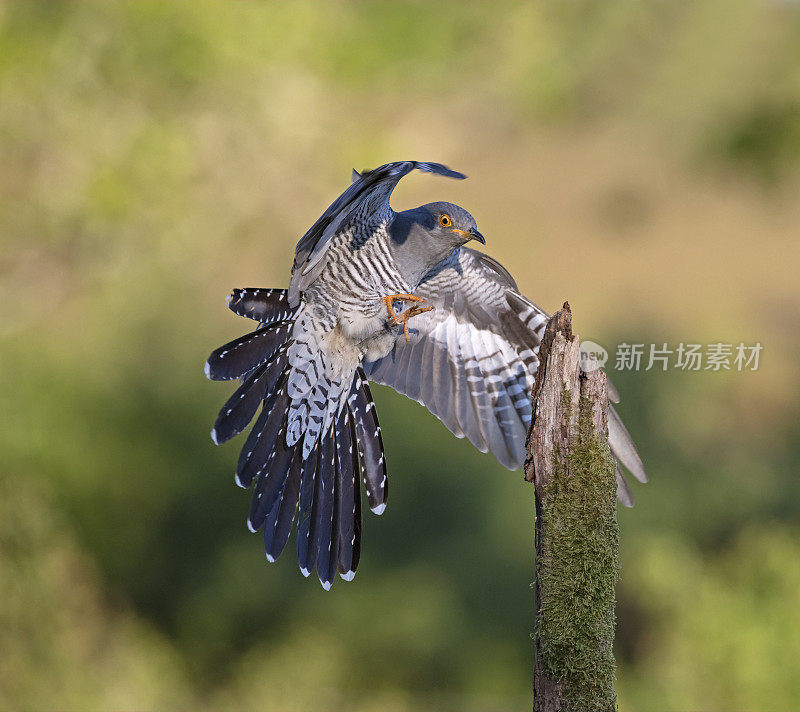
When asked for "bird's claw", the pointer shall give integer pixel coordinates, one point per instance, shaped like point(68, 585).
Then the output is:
point(404, 316)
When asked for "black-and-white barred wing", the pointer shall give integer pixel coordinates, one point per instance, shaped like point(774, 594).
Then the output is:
point(471, 361)
point(368, 196)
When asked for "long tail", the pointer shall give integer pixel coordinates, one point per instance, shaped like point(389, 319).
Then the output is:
point(324, 485)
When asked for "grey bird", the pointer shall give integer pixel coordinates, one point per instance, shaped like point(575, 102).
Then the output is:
point(395, 298)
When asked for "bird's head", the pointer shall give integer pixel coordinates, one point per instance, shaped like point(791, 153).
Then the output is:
point(426, 235)
point(449, 223)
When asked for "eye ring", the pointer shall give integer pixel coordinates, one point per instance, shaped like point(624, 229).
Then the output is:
point(444, 220)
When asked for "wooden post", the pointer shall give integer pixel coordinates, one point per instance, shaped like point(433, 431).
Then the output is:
point(576, 532)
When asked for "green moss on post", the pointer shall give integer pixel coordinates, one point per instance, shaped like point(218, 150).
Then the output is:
point(576, 529)
point(576, 619)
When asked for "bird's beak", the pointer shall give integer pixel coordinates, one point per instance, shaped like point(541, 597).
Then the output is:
point(475, 235)
point(471, 234)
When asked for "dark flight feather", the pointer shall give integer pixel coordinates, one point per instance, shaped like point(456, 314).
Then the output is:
point(247, 352)
point(271, 477)
point(261, 440)
point(324, 506)
point(279, 523)
point(349, 495)
point(306, 557)
point(370, 444)
point(264, 305)
point(241, 407)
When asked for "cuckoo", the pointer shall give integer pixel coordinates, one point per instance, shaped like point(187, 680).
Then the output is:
point(396, 298)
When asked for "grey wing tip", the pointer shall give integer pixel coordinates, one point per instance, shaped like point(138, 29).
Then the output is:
point(438, 169)
point(623, 448)
point(624, 494)
point(450, 173)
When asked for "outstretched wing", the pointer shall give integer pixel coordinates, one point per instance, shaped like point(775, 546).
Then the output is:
point(368, 194)
point(472, 361)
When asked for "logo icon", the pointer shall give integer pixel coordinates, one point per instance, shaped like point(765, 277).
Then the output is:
point(593, 356)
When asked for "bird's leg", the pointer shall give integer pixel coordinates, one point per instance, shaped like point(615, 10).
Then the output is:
point(413, 310)
point(392, 298)
point(404, 316)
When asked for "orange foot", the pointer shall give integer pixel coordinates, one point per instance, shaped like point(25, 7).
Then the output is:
point(403, 318)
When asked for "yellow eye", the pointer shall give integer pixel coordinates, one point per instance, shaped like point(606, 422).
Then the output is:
point(445, 221)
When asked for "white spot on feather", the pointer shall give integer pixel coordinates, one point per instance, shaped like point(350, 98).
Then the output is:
point(349, 576)
point(207, 370)
point(250, 526)
point(305, 572)
point(379, 509)
point(214, 436)
point(326, 585)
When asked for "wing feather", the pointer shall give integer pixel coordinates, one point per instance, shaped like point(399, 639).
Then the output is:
point(462, 394)
point(369, 193)
point(472, 361)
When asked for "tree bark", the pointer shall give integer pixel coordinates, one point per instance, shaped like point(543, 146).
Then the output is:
point(576, 534)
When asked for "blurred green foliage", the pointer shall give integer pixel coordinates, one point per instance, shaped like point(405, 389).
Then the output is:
point(638, 158)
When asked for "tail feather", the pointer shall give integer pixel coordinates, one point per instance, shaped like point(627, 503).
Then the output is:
point(261, 441)
point(278, 526)
point(240, 408)
point(324, 509)
point(271, 479)
point(328, 560)
point(324, 450)
point(370, 444)
point(264, 305)
point(305, 534)
point(315, 482)
point(349, 499)
point(328, 575)
point(237, 357)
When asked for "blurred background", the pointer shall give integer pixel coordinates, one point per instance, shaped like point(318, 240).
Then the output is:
point(640, 159)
